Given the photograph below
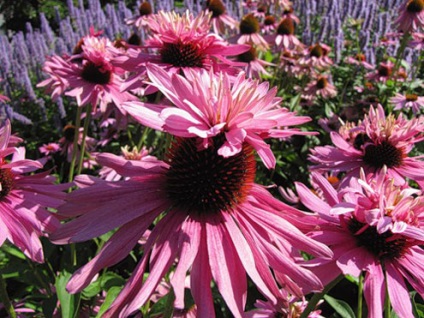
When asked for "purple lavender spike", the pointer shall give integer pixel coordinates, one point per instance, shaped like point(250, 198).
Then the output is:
point(45, 28)
point(61, 107)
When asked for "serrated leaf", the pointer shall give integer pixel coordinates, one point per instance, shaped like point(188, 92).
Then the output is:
point(69, 303)
point(340, 306)
point(112, 293)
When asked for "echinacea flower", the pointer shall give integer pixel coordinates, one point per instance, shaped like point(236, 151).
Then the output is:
point(417, 41)
point(295, 308)
point(321, 87)
point(249, 32)
point(377, 141)
point(284, 36)
point(255, 66)
point(180, 43)
point(49, 148)
point(207, 105)
point(375, 229)
point(359, 59)
point(91, 76)
point(384, 72)
point(220, 18)
point(411, 16)
point(316, 56)
point(412, 101)
point(144, 11)
point(211, 218)
point(25, 199)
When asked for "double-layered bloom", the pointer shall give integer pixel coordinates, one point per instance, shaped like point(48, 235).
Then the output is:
point(377, 141)
point(90, 76)
point(207, 105)
point(374, 228)
point(215, 222)
point(24, 199)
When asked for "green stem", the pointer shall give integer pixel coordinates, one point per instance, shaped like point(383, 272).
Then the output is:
point(387, 306)
point(360, 296)
point(143, 137)
point(5, 298)
point(76, 137)
point(400, 51)
point(84, 136)
point(312, 303)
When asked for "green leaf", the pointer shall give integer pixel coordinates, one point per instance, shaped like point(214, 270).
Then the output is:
point(12, 250)
point(69, 303)
point(340, 306)
point(112, 293)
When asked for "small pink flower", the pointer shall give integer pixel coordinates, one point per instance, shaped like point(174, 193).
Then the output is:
point(359, 59)
point(417, 41)
point(384, 72)
point(49, 148)
point(249, 32)
point(144, 11)
point(415, 102)
point(321, 87)
point(220, 18)
point(285, 37)
point(411, 16)
point(255, 66)
point(317, 57)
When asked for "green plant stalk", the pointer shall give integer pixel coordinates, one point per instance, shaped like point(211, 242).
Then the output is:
point(387, 306)
point(360, 296)
point(84, 137)
point(74, 152)
point(312, 303)
point(5, 298)
point(400, 51)
point(144, 135)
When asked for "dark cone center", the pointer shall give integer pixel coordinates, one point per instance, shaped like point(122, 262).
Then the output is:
point(203, 182)
point(411, 97)
point(383, 154)
point(286, 27)
point(145, 9)
point(316, 51)
point(216, 7)
point(384, 71)
point(269, 20)
point(415, 6)
point(384, 246)
point(248, 56)
point(69, 132)
point(96, 74)
point(182, 54)
point(322, 83)
point(6, 182)
point(249, 25)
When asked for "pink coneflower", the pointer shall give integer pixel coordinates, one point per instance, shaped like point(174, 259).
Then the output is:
point(376, 142)
point(220, 19)
point(90, 75)
point(413, 101)
point(4, 98)
point(317, 57)
point(269, 24)
point(249, 32)
point(49, 148)
point(109, 174)
point(24, 200)
point(375, 228)
point(289, 62)
point(214, 219)
point(284, 36)
point(144, 11)
point(67, 142)
point(210, 105)
point(359, 59)
point(182, 42)
point(417, 41)
point(411, 16)
point(385, 72)
point(321, 87)
point(255, 66)
point(295, 308)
